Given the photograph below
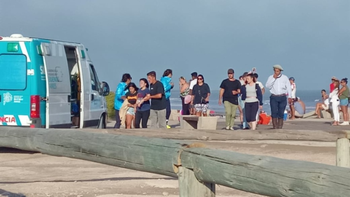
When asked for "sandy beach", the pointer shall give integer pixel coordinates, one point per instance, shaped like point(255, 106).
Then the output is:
point(38, 175)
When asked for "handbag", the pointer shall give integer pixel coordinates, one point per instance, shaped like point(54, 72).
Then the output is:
point(187, 99)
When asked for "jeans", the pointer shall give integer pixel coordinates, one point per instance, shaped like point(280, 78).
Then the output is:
point(278, 105)
point(230, 110)
point(168, 109)
point(242, 105)
point(185, 107)
point(141, 117)
point(158, 118)
point(117, 120)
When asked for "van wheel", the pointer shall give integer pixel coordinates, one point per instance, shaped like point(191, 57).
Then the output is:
point(102, 122)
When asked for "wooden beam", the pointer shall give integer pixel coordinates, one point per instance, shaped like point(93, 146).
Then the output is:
point(267, 175)
point(189, 185)
point(137, 153)
point(343, 153)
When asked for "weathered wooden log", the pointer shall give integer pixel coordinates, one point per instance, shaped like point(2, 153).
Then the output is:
point(267, 175)
point(190, 186)
point(256, 174)
point(343, 153)
point(137, 153)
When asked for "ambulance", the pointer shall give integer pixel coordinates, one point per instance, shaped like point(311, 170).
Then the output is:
point(48, 83)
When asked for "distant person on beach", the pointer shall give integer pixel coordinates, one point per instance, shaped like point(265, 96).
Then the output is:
point(279, 87)
point(334, 99)
point(344, 100)
point(256, 76)
point(120, 97)
point(158, 101)
point(294, 97)
point(200, 96)
point(168, 86)
point(185, 96)
point(230, 88)
point(241, 105)
point(299, 107)
point(252, 95)
point(131, 97)
point(331, 85)
point(193, 82)
point(143, 104)
point(324, 105)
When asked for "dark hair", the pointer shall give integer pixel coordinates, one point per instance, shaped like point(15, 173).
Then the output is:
point(152, 73)
point(256, 75)
point(252, 76)
point(146, 82)
point(194, 74)
point(125, 77)
point(200, 76)
point(345, 80)
point(323, 90)
point(167, 72)
point(132, 85)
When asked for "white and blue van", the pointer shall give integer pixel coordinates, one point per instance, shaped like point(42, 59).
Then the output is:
point(49, 84)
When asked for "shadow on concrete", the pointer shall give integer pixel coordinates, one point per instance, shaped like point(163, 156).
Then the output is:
point(4, 193)
point(14, 151)
point(90, 180)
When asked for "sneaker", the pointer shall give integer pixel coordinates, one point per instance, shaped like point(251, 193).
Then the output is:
point(232, 129)
point(344, 123)
point(168, 126)
point(228, 128)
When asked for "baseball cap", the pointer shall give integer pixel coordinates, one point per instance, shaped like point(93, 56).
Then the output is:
point(230, 71)
point(292, 78)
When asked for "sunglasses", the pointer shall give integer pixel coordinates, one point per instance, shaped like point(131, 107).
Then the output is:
point(200, 78)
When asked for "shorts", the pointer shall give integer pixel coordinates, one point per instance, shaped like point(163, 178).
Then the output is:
point(131, 111)
point(201, 107)
point(344, 102)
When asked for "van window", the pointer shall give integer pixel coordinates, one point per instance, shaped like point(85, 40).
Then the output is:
point(95, 84)
point(13, 75)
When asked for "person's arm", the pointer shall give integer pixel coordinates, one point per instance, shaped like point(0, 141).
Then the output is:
point(183, 87)
point(193, 94)
point(289, 89)
point(221, 93)
point(259, 95)
point(243, 93)
point(238, 90)
point(120, 92)
point(270, 82)
point(208, 94)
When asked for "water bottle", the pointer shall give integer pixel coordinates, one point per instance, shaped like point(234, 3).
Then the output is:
point(285, 115)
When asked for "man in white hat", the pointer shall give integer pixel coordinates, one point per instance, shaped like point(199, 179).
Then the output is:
point(280, 89)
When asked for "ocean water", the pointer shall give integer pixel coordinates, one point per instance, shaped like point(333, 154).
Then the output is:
point(309, 97)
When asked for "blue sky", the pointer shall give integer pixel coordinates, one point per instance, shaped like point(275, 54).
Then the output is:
point(309, 38)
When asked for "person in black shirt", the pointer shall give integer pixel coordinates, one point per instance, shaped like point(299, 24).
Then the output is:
point(229, 90)
point(200, 96)
point(158, 102)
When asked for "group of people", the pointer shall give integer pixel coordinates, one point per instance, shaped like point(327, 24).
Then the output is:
point(337, 98)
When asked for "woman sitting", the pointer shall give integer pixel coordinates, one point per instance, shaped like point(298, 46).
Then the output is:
point(322, 106)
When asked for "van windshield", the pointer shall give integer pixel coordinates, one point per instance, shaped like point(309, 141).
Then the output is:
point(13, 71)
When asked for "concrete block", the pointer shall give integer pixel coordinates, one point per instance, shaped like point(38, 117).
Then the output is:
point(188, 122)
point(326, 114)
point(207, 123)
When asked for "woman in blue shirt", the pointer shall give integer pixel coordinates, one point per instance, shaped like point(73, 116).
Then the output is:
point(120, 97)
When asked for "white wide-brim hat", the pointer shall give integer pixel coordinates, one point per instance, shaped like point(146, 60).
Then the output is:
point(278, 67)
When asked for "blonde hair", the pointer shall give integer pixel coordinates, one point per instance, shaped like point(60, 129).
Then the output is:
point(182, 78)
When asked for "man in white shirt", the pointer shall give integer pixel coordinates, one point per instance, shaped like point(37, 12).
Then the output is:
point(192, 83)
point(279, 87)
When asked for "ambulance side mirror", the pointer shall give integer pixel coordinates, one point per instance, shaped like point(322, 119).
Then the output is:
point(105, 88)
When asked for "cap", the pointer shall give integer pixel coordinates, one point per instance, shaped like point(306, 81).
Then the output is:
point(292, 78)
point(278, 67)
point(230, 71)
point(194, 74)
point(334, 78)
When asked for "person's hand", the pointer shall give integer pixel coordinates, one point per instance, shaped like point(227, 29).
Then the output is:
point(171, 83)
point(260, 107)
point(275, 76)
point(220, 102)
point(207, 99)
point(191, 102)
point(290, 100)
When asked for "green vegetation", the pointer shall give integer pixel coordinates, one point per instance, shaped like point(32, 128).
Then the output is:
point(110, 105)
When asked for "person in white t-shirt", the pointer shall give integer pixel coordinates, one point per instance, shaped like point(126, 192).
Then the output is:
point(294, 97)
point(193, 82)
point(259, 83)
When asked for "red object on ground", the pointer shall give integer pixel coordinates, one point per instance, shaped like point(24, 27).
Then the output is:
point(264, 119)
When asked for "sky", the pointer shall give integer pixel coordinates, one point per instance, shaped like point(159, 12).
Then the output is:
point(310, 39)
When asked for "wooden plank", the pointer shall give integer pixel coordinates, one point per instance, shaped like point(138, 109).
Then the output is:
point(343, 153)
point(137, 153)
point(189, 185)
point(267, 175)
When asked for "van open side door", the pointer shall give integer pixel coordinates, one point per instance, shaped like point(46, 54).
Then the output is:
point(58, 90)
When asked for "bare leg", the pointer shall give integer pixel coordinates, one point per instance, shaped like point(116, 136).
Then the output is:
point(128, 121)
point(292, 111)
